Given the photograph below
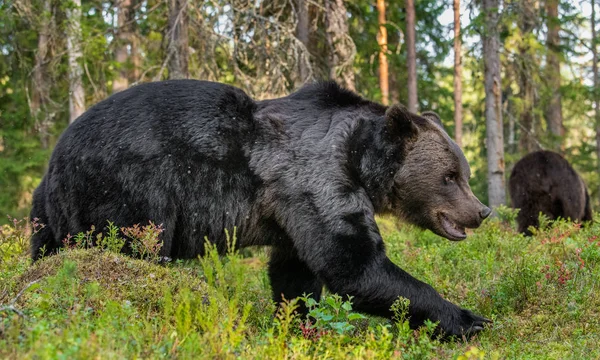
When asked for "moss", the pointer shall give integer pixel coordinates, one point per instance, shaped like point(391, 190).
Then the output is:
point(119, 277)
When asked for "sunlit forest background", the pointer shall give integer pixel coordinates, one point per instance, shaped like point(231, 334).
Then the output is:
point(507, 77)
point(59, 57)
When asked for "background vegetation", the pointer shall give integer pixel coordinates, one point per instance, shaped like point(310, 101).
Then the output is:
point(56, 61)
point(541, 293)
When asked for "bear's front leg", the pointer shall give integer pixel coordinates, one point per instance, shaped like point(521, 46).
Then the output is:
point(383, 282)
point(291, 278)
point(347, 253)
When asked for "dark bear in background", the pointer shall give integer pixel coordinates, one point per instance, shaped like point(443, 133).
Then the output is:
point(304, 174)
point(543, 181)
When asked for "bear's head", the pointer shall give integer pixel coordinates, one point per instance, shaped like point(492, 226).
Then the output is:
point(431, 188)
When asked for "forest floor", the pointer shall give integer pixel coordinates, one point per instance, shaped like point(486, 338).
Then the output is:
point(542, 294)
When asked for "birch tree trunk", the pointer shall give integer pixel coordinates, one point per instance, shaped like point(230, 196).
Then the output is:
point(340, 45)
point(458, 108)
point(411, 56)
point(177, 34)
point(40, 88)
point(382, 39)
point(76, 91)
point(493, 105)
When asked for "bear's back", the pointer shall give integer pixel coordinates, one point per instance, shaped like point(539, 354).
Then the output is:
point(544, 181)
point(179, 117)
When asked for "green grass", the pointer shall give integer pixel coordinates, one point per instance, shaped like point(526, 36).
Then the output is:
point(541, 292)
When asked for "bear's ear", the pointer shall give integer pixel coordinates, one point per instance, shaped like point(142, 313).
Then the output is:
point(434, 117)
point(399, 122)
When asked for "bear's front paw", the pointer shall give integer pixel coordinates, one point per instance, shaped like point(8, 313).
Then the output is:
point(463, 323)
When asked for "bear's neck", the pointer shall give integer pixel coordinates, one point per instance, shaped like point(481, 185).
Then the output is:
point(376, 161)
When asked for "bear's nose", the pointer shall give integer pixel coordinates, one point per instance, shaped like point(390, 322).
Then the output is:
point(485, 212)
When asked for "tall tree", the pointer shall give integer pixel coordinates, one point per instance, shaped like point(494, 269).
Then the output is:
point(177, 35)
point(553, 110)
point(596, 85)
point(74, 40)
point(340, 46)
point(383, 49)
point(527, 66)
point(411, 56)
point(124, 43)
point(458, 109)
point(493, 104)
point(136, 57)
point(303, 35)
point(41, 83)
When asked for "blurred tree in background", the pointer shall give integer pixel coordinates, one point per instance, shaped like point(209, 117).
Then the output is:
point(58, 57)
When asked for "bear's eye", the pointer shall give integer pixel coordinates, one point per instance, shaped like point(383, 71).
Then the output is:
point(449, 179)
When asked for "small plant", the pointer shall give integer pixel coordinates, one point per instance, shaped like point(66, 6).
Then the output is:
point(331, 314)
point(14, 237)
point(400, 317)
point(85, 240)
point(472, 354)
point(507, 214)
point(145, 241)
point(111, 241)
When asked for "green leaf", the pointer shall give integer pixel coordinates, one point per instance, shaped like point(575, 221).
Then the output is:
point(356, 316)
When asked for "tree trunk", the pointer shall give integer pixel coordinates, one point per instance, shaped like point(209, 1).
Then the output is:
point(554, 108)
point(136, 59)
point(340, 46)
point(177, 34)
point(458, 109)
point(411, 56)
point(124, 35)
point(77, 94)
point(527, 66)
point(493, 105)
point(596, 90)
point(303, 35)
point(383, 61)
point(41, 86)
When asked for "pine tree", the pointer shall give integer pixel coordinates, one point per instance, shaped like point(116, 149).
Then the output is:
point(493, 105)
point(458, 109)
point(177, 38)
point(383, 63)
point(411, 56)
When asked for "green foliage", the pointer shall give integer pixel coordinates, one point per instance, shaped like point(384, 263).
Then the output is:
point(507, 214)
point(144, 241)
point(87, 303)
point(331, 314)
point(112, 240)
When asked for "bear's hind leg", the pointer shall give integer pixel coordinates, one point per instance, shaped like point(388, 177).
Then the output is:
point(587, 212)
point(291, 278)
point(43, 240)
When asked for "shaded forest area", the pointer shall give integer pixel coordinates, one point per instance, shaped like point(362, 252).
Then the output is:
point(507, 77)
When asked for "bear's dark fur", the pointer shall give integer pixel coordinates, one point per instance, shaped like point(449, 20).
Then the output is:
point(543, 181)
point(304, 174)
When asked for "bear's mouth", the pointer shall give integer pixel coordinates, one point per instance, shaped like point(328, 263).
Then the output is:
point(453, 230)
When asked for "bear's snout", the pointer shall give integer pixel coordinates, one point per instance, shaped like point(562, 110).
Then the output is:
point(485, 212)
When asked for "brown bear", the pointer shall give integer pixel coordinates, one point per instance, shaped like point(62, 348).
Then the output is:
point(543, 181)
point(303, 174)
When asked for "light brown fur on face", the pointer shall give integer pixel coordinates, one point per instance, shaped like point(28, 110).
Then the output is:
point(432, 189)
